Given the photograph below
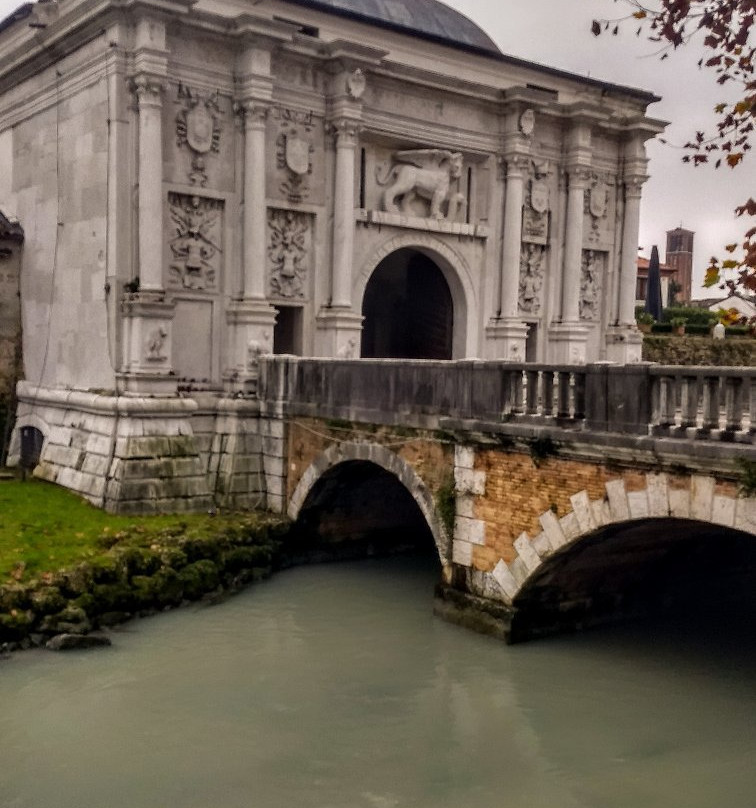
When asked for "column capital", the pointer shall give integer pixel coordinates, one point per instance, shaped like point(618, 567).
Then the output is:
point(149, 90)
point(515, 165)
point(346, 131)
point(253, 113)
point(634, 184)
point(579, 175)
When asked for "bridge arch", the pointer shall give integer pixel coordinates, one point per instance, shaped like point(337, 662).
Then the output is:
point(628, 553)
point(386, 460)
point(451, 265)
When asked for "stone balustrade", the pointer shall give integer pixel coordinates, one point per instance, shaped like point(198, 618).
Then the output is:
point(702, 403)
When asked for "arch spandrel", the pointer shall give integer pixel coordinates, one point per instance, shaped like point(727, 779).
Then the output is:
point(388, 461)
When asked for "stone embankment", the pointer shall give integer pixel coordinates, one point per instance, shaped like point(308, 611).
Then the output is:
point(61, 610)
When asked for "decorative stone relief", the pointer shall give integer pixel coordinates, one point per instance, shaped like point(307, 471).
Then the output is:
point(356, 84)
point(198, 127)
point(294, 150)
point(257, 348)
point(527, 122)
point(597, 208)
point(154, 349)
point(289, 252)
point(591, 282)
point(532, 269)
point(195, 242)
point(535, 222)
point(424, 177)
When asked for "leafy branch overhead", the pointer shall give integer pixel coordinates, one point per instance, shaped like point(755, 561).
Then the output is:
point(726, 27)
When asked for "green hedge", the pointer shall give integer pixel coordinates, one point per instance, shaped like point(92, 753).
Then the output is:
point(694, 350)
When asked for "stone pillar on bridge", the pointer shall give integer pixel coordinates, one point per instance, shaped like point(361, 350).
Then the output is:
point(506, 331)
point(569, 336)
point(148, 315)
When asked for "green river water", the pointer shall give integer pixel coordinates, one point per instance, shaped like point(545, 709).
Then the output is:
point(335, 687)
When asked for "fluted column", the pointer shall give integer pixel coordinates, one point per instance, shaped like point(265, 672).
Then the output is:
point(346, 132)
point(573, 244)
point(517, 168)
point(255, 207)
point(149, 100)
point(629, 265)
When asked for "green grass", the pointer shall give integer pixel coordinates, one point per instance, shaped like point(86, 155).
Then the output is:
point(44, 528)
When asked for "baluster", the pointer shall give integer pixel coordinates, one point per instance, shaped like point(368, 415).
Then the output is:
point(580, 395)
point(531, 378)
point(752, 406)
point(547, 391)
point(710, 403)
point(517, 392)
point(689, 404)
point(667, 401)
point(733, 404)
point(563, 402)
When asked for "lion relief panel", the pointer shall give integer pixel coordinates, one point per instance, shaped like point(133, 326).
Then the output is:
point(423, 183)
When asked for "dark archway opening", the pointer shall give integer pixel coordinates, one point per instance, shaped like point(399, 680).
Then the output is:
point(408, 310)
point(358, 509)
point(654, 569)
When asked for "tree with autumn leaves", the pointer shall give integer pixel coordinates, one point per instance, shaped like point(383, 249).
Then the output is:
point(726, 28)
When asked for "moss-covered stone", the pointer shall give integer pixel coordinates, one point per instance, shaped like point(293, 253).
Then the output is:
point(199, 578)
point(47, 600)
point(16, 624)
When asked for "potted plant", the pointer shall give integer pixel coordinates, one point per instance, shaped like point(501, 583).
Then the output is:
point(678, 325)
point(644, 321)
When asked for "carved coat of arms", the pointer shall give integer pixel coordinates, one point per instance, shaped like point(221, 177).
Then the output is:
point(198, 127)
point(539, 196)
point(297, 154)
point(598, 200)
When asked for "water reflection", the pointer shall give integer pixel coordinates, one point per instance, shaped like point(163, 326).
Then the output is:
point(334, 687)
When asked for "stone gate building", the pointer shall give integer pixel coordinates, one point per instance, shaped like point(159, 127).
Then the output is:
point(205, 181)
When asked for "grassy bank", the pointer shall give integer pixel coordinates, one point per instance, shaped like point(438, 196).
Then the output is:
point(66, 567)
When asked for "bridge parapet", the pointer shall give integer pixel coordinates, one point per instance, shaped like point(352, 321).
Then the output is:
point(702, 403)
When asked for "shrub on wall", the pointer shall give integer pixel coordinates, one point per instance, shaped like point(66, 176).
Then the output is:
point(695, 350)
point(691, 315)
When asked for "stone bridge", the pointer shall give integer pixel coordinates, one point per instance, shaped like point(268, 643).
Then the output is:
point(555, 496)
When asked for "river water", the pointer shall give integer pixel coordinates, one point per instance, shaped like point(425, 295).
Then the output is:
point(335, 687)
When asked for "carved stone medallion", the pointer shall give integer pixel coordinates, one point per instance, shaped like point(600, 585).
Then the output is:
point(294, 152)
point(532, 268)
point(198, 127)
point(535, 224)
point(289, 252)
point(195, 242)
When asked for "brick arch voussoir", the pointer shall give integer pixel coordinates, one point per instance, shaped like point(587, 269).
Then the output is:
point(387, 460)
point(658, 500)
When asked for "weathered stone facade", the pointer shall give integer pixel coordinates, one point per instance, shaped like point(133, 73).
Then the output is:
point(203, 185)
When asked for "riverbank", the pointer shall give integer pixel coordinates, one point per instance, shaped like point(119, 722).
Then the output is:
point(67, 568)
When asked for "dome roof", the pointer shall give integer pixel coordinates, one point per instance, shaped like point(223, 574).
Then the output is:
point(427, 18)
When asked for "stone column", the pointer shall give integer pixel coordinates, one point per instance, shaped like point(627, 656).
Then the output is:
point(251, 319)
point(569, 336)
point(148, 316)
point(255, 207)
point(507, 334)
point(624, 343)
point(629, 263)
point(346, 133)
point(339, 327)
point(149, 98)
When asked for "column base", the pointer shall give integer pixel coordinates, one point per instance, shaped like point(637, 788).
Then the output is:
point(339, 333)
point(506, 339)
point(624, 344)
point(568, 343)
point(251, 324)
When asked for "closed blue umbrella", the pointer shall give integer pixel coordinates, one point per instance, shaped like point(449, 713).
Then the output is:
point(653, 286)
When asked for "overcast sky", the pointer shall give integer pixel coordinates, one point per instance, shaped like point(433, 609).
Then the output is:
point(557, 33)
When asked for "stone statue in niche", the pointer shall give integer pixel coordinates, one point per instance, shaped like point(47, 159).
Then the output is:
point(195, 243)
point(198, 127)
point(590, 284)
point(531, 278)
point(257, 348)
point(294, 150)
point(288, 252)
point(425, 174)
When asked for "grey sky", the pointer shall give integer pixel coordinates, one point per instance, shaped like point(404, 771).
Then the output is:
point(557, 33)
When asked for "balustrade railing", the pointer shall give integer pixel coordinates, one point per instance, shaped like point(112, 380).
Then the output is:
point(681, 402)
